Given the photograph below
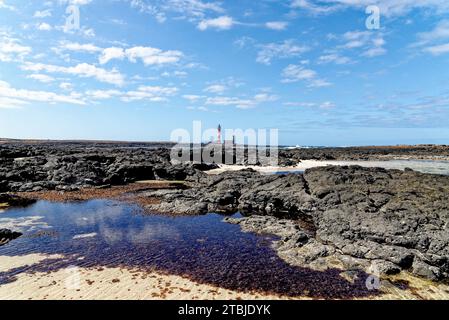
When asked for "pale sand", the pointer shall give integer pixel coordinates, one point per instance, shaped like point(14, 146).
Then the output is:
point(436, 167)
point(268, 169)
point(106, 284)
point(125, 284)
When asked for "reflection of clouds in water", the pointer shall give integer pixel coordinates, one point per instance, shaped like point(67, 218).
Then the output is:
point(24, 224)
point(225, 257)
point(151, 232)
point(98, 215)
point(144, 234)
point(110, 235)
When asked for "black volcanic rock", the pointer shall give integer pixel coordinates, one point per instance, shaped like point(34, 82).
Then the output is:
point(424, 152)
point(391, 219)
point(7, 235)
point(29, 167)
point(14, 200)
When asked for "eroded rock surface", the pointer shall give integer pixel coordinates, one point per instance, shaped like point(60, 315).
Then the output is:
point(25, 168)
point(386, 220)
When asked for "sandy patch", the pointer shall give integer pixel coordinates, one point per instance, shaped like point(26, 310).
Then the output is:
point(124, 284)
point(8, 263)
point(305, 164)
point(106, 283)
point(430, 166)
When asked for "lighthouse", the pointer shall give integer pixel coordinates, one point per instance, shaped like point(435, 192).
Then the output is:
point(219, 134)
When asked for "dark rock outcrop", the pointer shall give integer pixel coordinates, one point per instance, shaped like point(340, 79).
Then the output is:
point(424, 152)
point(7, 235)
point(14, 200)
point(364, 217)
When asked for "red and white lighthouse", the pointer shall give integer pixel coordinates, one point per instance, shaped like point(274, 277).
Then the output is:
point(219, 134)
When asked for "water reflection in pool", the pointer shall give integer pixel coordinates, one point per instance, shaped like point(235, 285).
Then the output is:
point(203, 248)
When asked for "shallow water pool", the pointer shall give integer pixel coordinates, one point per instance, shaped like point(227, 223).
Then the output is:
point(106, 233)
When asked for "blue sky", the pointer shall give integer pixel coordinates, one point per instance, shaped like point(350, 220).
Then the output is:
point(136, 70)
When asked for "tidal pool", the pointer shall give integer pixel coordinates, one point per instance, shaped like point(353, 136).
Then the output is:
point(104, 233)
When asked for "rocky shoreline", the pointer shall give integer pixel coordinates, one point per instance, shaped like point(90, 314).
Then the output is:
point(353, 218)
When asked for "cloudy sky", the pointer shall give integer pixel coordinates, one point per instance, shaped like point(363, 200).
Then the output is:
point(138, 69)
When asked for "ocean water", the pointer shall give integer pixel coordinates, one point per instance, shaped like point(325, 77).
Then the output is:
point(106, 233)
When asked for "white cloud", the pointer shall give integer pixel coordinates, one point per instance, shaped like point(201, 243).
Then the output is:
point(148, 55)
point(21, 96)
point(319, 83)
point(230, 101)
point(142, 93)
point(194, 7)
point(41, 77)
point(374, 52)
point(322, 105)
point(334, 58)
point(441, 31)
point(12, 50)
point(388, 8)
point(83, 70)
point(296, 73)
point(88, 32)
point(153, 56)
point(314, 8)
point(286, 49)
point(438, 50)
point(191, 10)
point(327, 105)
point(112, 53)
point(369, 44)
point(76, 2)
point(150, 93)
point(276, 25)
point(103, 94)
point(65, 86)
point(241, 103)
point(220, 23)
point(192, 97)
point(265, 97)
point(3, 5)
point(244, 41)
point(74, 46)
point(216, 88)
point(11, 103)
point(42, 14)
point(176, 73)
point(44, 26)
point(435, 41)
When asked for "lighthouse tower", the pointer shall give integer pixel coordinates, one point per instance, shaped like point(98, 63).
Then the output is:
point(219, 134)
